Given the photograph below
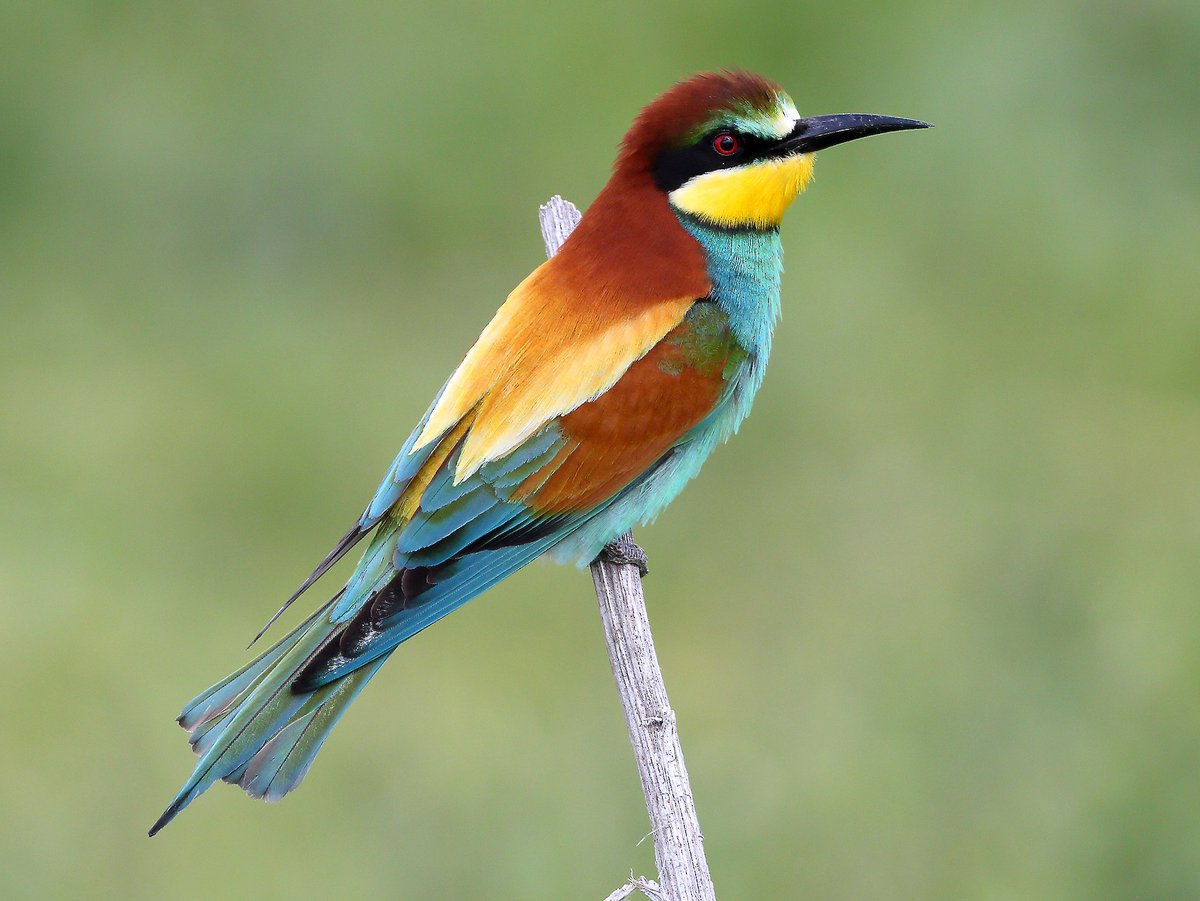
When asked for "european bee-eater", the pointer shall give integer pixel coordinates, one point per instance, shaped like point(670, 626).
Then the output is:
point(600, 387)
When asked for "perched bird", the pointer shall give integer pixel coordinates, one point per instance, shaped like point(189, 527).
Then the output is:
point(597, 391)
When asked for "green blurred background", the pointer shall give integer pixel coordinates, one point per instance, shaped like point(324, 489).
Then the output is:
point(930, 624)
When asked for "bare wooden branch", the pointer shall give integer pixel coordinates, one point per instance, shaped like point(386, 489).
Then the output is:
point(647, 887)
point(617, 575)
point(623, 892)
point(558, 219)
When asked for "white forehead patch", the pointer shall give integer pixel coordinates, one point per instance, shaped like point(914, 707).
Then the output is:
point(786, 117)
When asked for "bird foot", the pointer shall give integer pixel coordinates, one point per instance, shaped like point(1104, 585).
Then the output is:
point(624, 550)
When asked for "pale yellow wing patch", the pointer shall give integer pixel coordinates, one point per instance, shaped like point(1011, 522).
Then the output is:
point(544, 353)
point(407, 504)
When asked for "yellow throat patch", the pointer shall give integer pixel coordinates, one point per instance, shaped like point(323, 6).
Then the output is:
point(756, 195)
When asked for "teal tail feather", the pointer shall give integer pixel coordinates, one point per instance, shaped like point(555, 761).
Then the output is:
point(261, 727)
point(251, 729)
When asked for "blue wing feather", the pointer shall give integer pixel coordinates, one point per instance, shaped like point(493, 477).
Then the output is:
point(452, 532)
point(400, 473)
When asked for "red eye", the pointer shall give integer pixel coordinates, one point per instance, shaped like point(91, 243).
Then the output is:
point(726, 144)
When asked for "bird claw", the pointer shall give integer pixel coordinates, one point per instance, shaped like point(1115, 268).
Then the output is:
point(623, 550)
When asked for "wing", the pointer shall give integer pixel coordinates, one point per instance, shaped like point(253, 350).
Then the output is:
point(563, 337)
point(449, 538)
point(400, 475)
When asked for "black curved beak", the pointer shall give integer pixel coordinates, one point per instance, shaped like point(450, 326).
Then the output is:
point(818, 132)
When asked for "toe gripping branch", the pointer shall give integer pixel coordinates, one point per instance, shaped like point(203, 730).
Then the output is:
point(624, 550)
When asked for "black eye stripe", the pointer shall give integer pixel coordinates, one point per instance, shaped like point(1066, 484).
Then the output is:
point(677, 165)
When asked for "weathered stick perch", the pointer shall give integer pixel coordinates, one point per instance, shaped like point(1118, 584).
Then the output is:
point(617, 574)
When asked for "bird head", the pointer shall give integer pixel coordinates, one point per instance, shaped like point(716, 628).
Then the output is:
point(730, 148)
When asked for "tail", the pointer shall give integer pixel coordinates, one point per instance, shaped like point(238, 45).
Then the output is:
point(254, 730)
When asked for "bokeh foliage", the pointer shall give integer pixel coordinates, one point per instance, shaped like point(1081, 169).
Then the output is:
point(931, 624)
